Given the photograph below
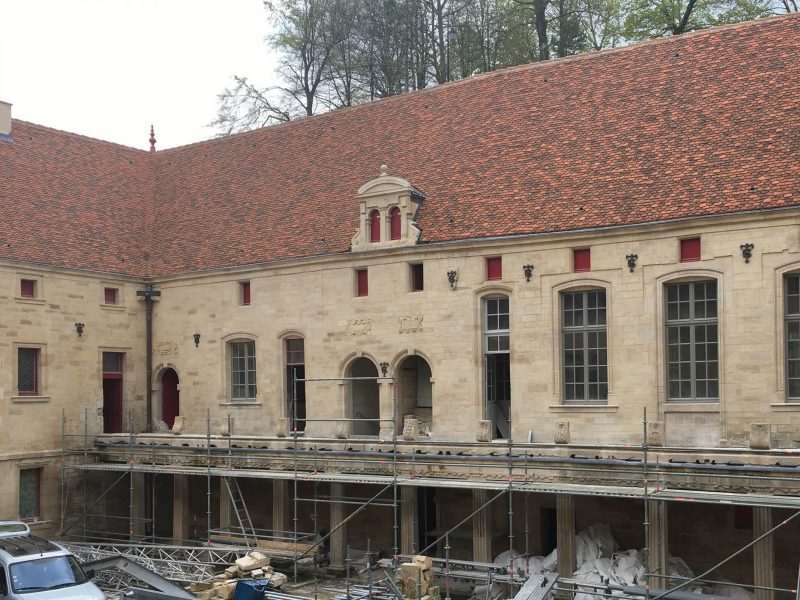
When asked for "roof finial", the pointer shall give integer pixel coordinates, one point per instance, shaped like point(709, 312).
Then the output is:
point(152, 139)
point(384, 170)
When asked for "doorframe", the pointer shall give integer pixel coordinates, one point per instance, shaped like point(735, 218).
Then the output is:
point(155, 386)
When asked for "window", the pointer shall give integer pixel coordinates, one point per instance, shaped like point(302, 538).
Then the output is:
point(374, 226)
point(112, 363)
point(494, 268)
point(497, 360)
point(28, 371)
point(417, 278)
point(362, 282)
point(296, 390)
point(791, 309)
point(690, 250)
point(243, 370)
point(583, 336)
point(581, 260)
point(394, 223)
point(27, 288)
point(30, 494)
point(111, 295)
point(692, 353)
point(244, 293)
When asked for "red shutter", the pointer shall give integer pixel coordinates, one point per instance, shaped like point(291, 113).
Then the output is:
point(374, 226)
point(690, 250)
point(494, 268)
point(362, 282)
point(27, 288)
point(394, 223)
point(245, 293)
point(417, 278)
point(581, 260)
point(111, 295)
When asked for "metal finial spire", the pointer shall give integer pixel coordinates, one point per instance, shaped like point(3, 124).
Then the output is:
point(152, 139)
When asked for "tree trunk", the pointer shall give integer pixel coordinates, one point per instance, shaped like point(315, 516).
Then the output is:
point(539, 7)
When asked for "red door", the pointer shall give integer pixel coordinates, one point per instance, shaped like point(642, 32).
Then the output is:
point(170, 397)
point(112, 405)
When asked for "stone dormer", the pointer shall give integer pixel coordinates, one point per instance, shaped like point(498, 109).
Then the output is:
point(388, 208)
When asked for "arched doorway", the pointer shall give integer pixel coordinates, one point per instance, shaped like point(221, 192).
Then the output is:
point(414, 392)
point(364, 397)
point(170, 397)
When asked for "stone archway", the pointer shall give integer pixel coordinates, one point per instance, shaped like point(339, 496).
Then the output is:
point(414, 392)
point(364, 397)
point(170, 396)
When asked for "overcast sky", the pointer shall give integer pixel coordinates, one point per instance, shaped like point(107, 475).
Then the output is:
point(110, 68)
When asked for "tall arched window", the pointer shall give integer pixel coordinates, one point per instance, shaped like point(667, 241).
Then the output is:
point(497, 360)
point(374, 226)
point(394, 223)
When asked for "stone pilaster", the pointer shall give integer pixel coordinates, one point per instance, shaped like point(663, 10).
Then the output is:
point(180, 509)
point(565, 534)
point(338, 539)
point(481, 527)
point(658, 556)
point(763, 553)
point(224, 505)
point(281, 513)
point(409, 544)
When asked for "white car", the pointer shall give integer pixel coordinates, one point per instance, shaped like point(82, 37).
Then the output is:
point(33, 568)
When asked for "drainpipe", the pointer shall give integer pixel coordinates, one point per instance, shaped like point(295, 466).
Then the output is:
point(148, 294)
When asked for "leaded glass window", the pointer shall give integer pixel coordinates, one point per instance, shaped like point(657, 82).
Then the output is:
point(692, 342)
point(28, 371)
point(243, 370)
point(792, 318)
point(29, 493)
point(584, 341)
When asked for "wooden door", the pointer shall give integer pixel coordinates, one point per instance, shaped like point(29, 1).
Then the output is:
point(170, 397)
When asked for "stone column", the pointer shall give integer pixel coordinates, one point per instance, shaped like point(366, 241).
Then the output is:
point(658, 550)
point(385, 391)
point(224, 505)
point(338, 539)
point(763, 553)
point(482, 522)
point(409, 544)
point(565, 534)
point(139, 508)
point(281, 515)
point(181, 522)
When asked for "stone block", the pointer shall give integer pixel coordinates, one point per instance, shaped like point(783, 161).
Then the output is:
point(204, 594)
point(759, 436)
point(412, 579)
point(484, 433)
point(179, 425)
point(252, 560)
point(655, 433)
point(225, 591)
point(561, 435)
point(232, 571)
point(283, 426)
point(410, 430)
point(277, 579)
point(342, 430)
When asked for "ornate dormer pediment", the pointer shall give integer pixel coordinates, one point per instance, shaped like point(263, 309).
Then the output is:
point(388, 208)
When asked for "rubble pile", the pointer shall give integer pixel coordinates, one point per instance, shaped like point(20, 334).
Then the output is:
point(254, 565)
point(415, 579)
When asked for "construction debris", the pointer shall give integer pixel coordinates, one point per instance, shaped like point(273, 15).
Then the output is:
point(415, 579)
point(253, 566)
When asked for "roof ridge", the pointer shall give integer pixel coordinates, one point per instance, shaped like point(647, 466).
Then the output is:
point(547, 64)
point(75, 135)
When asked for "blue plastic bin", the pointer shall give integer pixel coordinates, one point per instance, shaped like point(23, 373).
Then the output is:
point(250, 589)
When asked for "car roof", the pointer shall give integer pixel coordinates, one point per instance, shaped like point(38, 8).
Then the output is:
point(23, 546)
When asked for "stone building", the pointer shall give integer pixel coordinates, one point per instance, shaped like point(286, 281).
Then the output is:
point(495, 286)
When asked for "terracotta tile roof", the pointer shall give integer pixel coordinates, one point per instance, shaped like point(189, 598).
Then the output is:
point(701, 124)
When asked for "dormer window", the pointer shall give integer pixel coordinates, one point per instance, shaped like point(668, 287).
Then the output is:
point(394, 223)
point(374, 226)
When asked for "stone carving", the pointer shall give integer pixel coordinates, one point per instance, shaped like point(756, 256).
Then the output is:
point(342, 431)
point(359, 326)
point(484, 432)
point(411, 324)
point(561, 435)
point(165, 349)
point(655, 433)
point(179, 425)
point(759, 436)
point(410, 429)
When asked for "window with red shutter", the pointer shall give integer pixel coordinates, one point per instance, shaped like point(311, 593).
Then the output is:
point(110, 295)
point(581, 260)
point(494, 268)
point(417, 278)
point(362, 282)
point(244, 293)
point(394, 223)
point(27, 288)
point(374, 226)
point(690, 250)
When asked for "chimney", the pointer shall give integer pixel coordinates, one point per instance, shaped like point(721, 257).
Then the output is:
point(5, 118)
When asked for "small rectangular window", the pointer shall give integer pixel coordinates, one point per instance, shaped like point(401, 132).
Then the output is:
point(27, 288)
point(581, 260)
point(362, 282)
point(30, 494)
point(690, 250)
point(417, 278)
point(494, 268)
point(244, 293)
point(28, 371)
point(112, 362)
point(111, 295)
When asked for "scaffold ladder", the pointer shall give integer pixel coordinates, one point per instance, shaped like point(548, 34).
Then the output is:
point(242, 514)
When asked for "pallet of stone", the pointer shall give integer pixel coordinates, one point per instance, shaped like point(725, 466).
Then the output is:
point(271, 548)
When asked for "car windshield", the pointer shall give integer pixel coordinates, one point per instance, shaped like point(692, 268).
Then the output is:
point(45, 574)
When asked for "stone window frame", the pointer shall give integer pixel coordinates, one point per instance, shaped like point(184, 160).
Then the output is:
point(580, 285)
point(41, 375)
point(782, 399)
point(227, 377)
point(120, 303)
point(282, 390)
point(39, 468)
point(585, 329)
point(38, 280)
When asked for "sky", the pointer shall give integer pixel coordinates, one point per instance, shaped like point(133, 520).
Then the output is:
point(111, 68)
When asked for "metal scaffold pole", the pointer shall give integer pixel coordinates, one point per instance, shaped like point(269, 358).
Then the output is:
point(131, 490)
point(208, 477)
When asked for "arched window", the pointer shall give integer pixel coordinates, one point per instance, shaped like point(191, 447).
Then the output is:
point(374, 226)
point(394, 223)
point(497, 360)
